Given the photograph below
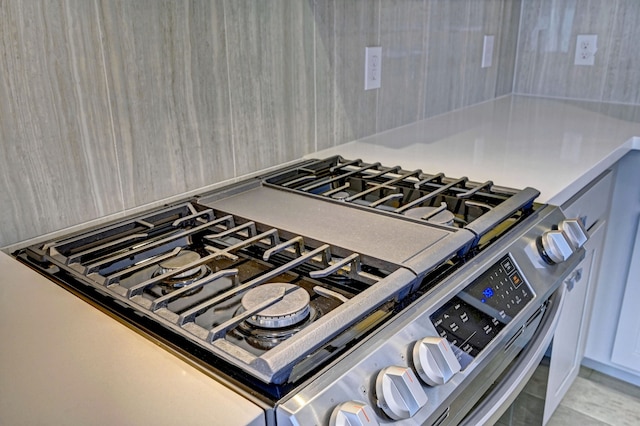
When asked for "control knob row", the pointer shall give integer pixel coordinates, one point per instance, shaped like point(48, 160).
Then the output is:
point(400, 394)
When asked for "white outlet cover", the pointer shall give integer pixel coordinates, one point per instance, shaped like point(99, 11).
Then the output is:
point(586, 48)
point(372, 67)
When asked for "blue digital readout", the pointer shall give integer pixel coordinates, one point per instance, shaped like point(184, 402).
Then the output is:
point(487, 293)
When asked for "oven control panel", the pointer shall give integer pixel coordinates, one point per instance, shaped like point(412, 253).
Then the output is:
point(451, 344)
point(473, 317)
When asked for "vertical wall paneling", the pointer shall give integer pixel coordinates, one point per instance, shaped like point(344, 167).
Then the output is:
point(109, 105)
point(547, 43)
point(447, 24)
point(57, 160)
point(622, 83)
point(480, 83)
point(402, 37)
point(324, 58)
point(356, 25)
point(270, 47)
point(168, 83)
point(508, 38)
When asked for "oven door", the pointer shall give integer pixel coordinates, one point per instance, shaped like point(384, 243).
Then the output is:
point(501, 396)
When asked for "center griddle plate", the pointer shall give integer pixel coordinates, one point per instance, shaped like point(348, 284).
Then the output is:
point(368, 233)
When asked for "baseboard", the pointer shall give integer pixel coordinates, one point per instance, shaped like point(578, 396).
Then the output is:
point(617, 373)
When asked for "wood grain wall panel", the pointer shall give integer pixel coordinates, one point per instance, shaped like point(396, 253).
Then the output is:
point(168, 83)
point(403, 40)
point(270, 48)
point(547, 43)
point(58, 164)
point(107, 106)
point(354, 109)
point(508, 38)
point(448, 23)
point(622, 82)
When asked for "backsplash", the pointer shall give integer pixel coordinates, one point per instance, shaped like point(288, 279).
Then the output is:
point(547, 44)
point(110, 105)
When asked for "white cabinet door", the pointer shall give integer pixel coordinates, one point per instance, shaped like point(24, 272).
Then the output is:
point(626, 347)
point(618, 274)
point(569, 340)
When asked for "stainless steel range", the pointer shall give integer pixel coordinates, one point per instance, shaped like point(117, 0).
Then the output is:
point(339, 292)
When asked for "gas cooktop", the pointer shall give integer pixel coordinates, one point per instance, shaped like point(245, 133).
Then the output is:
point(267, 282)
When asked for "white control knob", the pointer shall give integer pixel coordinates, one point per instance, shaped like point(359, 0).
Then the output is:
point(574, 231)
point(434, 360)
point(555, 247)
point(399, 392)
point(353, 413)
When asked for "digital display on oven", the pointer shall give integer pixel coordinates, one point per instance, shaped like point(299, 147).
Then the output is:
point(472, 318)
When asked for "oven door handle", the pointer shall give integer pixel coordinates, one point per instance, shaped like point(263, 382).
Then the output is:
point(498, 401)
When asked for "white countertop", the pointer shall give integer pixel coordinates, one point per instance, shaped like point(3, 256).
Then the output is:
point(65, 362)
point(555, 146)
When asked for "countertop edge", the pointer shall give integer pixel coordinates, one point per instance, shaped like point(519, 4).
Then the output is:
point(574, 187)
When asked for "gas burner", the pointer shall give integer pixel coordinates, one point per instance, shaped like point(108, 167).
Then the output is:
point(340, 196)
point(267, 338)
point(183, 258)
point(290, 310)
point(437, 215)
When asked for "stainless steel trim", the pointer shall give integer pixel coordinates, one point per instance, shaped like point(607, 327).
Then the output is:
point(494, 406)
point(504, 210)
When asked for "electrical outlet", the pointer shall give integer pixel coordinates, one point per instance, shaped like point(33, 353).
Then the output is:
point(586, 48)
point(487, 51)
point(372, 67)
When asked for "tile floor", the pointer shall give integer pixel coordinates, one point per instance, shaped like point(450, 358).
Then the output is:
point(597, 399)
point(594, 399)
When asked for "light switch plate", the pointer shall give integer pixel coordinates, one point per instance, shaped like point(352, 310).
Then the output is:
point(372, 67)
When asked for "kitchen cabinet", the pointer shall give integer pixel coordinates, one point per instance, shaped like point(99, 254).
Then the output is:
point(613, 343)
point(570, 337)
point(569, 341)
point(626, 347)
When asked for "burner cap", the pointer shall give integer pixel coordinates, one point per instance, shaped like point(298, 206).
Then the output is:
point(182, 259)
point(340, 196)
point(445, 217)
point(293, 308)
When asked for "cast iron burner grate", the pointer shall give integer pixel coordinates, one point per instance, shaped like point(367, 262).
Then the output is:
point(434, 199)
point(195, 272)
